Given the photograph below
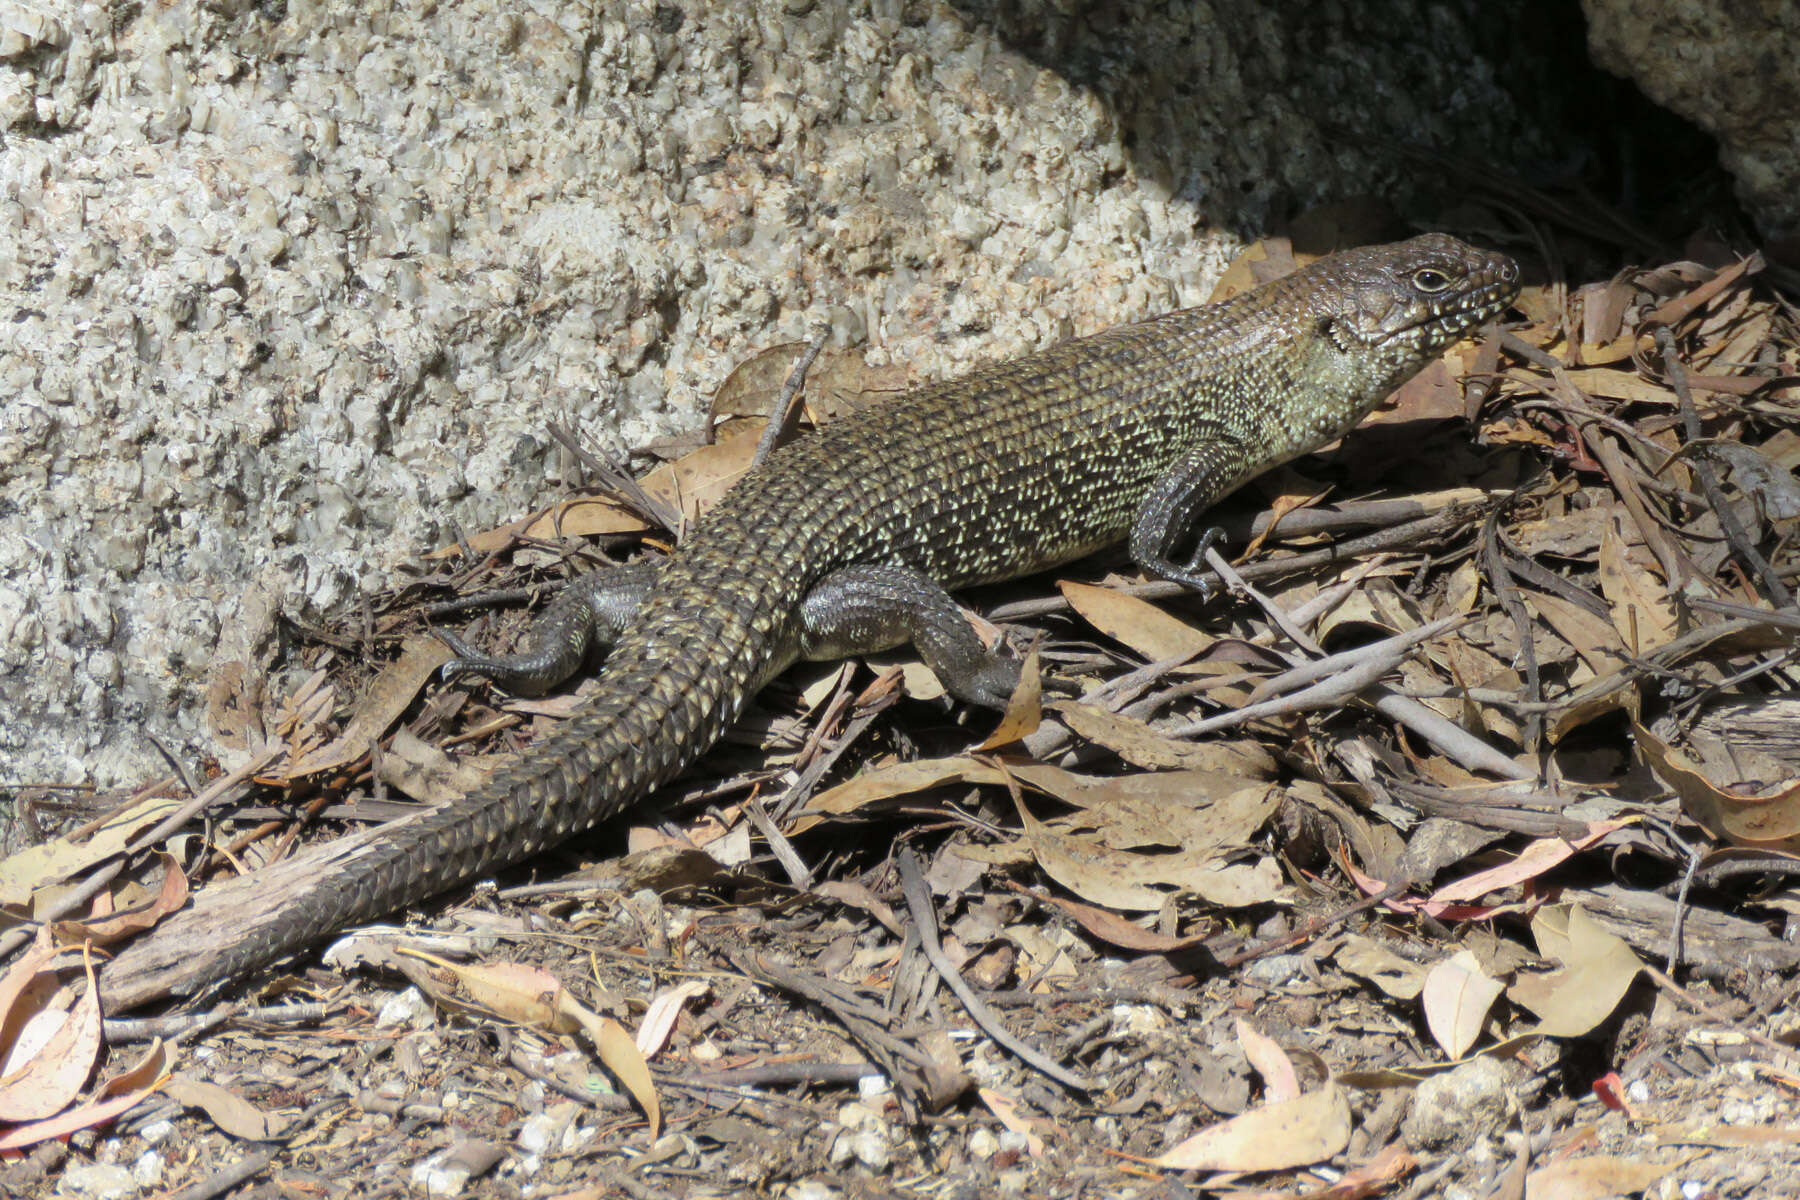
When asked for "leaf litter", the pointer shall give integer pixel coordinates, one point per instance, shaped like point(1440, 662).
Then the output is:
point(1198, 889)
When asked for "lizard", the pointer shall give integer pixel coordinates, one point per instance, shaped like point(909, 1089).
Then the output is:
point(850, 540)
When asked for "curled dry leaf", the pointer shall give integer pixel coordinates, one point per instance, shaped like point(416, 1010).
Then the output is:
point(226, 1109)
point(52, 1037)
point(1536, 858)
point(138, 913)
point(1370, 1179)
point(694, 482)
point(1280, 1080)
point(116, 1096)
point(1144, 882)
point(418, 769)
point(1023, 711)
point(1757, 475)
point(533, 996)
point(1006, 1108)
point(1110, 927)
point(1769, 820)
point(660, 1017)
point(887, 782)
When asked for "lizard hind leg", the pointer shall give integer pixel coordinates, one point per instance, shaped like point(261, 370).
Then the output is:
point(876, 606)
point(591, 611)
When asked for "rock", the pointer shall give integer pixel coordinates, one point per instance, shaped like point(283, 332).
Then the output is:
point(288, 296)
point(1729, 68)
point(1453, 1110)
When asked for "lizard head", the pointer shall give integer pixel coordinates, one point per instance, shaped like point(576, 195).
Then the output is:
point(1405, 302)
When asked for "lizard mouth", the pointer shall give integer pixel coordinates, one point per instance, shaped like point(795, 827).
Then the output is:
point(1438, 320)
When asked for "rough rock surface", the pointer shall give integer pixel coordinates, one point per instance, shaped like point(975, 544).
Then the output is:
point(1733, 69)
point(289, 292)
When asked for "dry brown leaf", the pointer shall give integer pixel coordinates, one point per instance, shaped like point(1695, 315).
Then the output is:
point(61, 858)
point(916, 679)
point(752, 386)
point(1149, 630)
point(694, 482)
point(1110, 927)
point(1591, 637)
point(49, 1038)
point(1255, 265)
point(1591, 709)
point(1143, 882)
point(1598, 1178)
point(1203, 812)
point(234, 695)
point(127, 916)
point(1140, 745)
point(533, 996)
point(1378, 607)
point(857, 895)
point(1573, 535)
point(393, 690)
point(1270, 1137)
point(1515, 431)
point(887, 782)
point(117, 1095)
point(226, 1109)
point(1434, 394)
point(662, 1013)
point(424, 772)
point(300, 719)
point(1023, 709)
point(1769, 820)
point(1398, 977)
point(1755, 474)
point(1537, 857)
point(1642, 613)
point(839, 381)
point(1620, 385)
point(691, 483)
point(1603, 309)
point(1371, 1179)
point(1678, 307)
point(1285, 500)
point(1014, 1118)
point(578, 516)
point(1597, 970)
point(1280, 1081)
point(1457, 997)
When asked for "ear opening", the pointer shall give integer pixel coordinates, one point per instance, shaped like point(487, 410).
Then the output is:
point(1327, 328)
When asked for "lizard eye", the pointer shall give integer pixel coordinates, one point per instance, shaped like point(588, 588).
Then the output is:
point(1430, 280)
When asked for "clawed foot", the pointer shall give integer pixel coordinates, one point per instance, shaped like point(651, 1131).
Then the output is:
point(1188, 574)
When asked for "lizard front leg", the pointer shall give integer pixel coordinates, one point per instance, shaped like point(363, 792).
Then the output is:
point(1199, 478)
